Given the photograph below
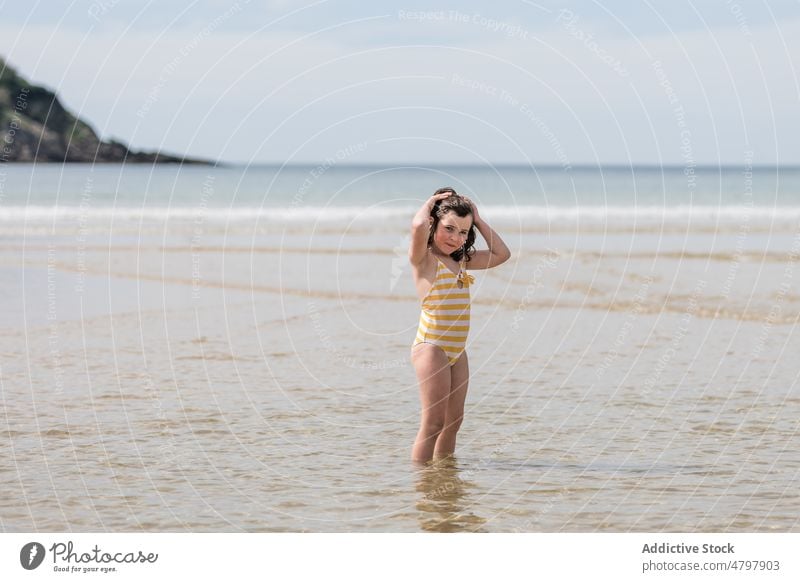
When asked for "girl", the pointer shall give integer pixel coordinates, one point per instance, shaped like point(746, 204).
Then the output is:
point(442, 239)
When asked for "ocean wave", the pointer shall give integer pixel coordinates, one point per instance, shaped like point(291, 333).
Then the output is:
point(599, 215)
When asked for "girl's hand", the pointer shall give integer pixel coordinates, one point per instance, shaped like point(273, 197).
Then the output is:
point(436, 197)
point(429, 204)
point(475, 216)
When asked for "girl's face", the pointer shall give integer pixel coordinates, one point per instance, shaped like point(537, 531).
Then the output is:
point(451, 232)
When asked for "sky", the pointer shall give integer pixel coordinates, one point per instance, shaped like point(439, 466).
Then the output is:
point(425, 83)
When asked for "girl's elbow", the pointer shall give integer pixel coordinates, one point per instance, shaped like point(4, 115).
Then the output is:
point(496, 259)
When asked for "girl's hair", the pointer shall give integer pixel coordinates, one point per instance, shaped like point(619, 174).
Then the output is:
point(457, 204)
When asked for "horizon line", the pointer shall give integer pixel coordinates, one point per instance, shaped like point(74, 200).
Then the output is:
point(549, 166)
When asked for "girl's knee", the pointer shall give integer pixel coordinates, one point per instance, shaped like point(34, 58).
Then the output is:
point(454, 424)
point(432, 426)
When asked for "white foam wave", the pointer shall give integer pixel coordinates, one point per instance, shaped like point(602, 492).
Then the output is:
point(527, 215)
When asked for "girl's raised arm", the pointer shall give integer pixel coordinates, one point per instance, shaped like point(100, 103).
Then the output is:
point(498, 252)
point(421, 229)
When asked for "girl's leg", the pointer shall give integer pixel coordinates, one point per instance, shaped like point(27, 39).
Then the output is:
point(433, 373)
point(459, 381)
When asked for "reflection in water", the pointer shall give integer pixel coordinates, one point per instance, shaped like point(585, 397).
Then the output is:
point(443, 505)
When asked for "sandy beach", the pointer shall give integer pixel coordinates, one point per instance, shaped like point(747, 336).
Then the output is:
point(177, 378)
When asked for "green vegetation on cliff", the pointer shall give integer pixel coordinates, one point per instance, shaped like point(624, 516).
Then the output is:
point(35, 126)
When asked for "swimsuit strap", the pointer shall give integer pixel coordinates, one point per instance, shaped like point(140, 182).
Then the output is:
point(463, 276)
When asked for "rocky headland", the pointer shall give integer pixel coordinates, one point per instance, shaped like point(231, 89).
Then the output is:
point(35, 127)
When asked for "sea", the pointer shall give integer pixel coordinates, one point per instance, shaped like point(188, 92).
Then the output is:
point(226, 348)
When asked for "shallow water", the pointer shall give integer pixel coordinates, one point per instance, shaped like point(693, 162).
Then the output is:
point(623, 380)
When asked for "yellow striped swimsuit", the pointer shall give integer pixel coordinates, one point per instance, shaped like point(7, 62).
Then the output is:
point(444, 319)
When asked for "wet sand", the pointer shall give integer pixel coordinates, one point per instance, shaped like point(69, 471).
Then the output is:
point(623, 380)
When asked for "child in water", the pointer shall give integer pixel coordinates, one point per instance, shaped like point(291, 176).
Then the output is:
point(442, 246)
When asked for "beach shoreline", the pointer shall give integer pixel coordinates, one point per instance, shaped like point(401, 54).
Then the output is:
point(620, 381)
